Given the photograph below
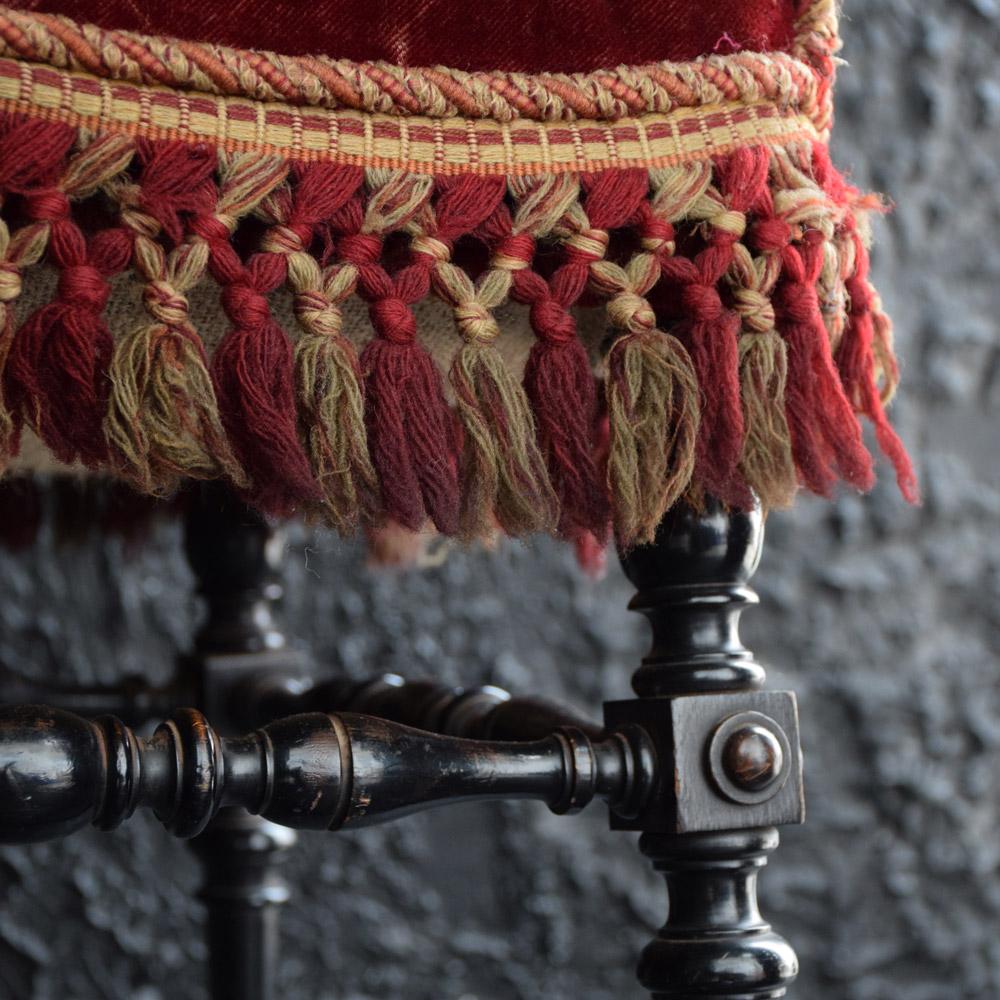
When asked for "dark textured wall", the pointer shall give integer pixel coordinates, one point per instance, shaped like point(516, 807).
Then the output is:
point(884, 619)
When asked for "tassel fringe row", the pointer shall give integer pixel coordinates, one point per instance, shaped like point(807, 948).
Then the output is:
point(745, 338)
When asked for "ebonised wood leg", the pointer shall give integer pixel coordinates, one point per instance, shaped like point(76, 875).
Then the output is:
point(235, 555)
point(243, 891)
point(737, 767)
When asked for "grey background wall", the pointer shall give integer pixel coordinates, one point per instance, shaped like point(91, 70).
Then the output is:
point(884, 619)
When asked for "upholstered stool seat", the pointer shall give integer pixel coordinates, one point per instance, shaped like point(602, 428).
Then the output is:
point(583, 269)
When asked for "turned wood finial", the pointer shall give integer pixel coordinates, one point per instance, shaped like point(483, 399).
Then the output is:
point(692, 586)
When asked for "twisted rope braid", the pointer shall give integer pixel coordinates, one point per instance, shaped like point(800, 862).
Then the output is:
point(163, 421)
point(378, 87)
point(55, 375)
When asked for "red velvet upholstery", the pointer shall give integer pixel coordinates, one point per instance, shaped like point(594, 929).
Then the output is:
point(525, 35)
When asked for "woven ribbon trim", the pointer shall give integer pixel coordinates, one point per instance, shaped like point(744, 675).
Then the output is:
point(417, 144)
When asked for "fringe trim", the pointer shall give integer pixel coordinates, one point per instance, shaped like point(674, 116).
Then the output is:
point(746, 340)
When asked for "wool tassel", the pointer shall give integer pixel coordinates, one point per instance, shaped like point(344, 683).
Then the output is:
point(559, 365)
point(163, 422)
point(253, 373)
point(253, 367)
point(503, 475)
point(56, 374)
point(826, 436)
point(558, 376)
point(767, 461)
point(713, 329)
point(411, 435)
point(503, 470)
point(504, 478)
point(35, 162)
point(856, 363)
point(328, 384)
point(31, 153)
point(163, 418)
point(410, 428)
point(713, 338)
point(559, 383)
point(332, 421)
point(652, 395)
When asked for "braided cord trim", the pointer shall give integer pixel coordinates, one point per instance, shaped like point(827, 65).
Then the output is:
point(795, 80)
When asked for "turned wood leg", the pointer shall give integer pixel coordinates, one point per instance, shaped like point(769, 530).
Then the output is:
point(243, 891)
point(736, 772)
point(235, 555)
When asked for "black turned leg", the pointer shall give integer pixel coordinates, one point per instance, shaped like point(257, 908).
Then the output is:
point(243, 891)
point(736, 763)
point(235, 555)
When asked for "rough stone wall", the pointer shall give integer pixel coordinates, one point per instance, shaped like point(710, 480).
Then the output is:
point(884, 619)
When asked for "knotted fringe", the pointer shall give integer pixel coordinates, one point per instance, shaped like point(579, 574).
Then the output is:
point(253, 368)
point(409, 425)
point(503, 475)
point(56, 364)
point(557, 377)
point(328, 380)
point(744, 337)
point(163, 421)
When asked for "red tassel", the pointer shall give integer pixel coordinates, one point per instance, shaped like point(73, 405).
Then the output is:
point(826, 435)
point(856, 363)
point(410, 428)
point(713, 336)
point(410, 432)
point(56, 375)
point(711, 333)
point(32, 152)
point(559, 383)
point(253, 372)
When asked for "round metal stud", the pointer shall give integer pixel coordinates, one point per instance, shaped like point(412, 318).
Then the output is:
point(749, 758)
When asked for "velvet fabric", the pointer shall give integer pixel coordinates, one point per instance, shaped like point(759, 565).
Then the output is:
point(516, 35)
